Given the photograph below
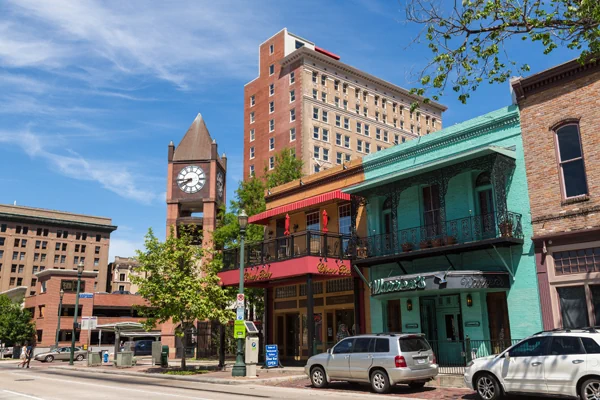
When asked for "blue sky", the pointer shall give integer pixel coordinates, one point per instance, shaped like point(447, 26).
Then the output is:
point(91, 92)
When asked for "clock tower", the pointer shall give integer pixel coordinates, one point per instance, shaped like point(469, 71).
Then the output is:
point(195, 181)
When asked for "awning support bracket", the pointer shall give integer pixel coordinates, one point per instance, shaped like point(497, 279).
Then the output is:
point(509, 269)
point(449, 262)
point(402, 267)
point(361, 276)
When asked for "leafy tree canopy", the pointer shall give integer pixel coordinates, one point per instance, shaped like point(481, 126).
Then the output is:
point(468, 39)
point(15, 323)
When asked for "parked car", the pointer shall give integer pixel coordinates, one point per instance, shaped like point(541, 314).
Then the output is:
point(557, 363)
point(61, 353)
point(383, 360)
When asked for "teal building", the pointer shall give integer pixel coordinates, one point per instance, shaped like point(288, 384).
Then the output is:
point(449, 251)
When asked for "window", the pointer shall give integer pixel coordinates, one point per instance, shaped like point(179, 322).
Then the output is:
point(337, 101)
point(359, 145)
point(63, 259)
point(252, 117)
point(411, 115)
point(38, 232)
point(271, 89)
point(325, 135)
point(2, 240)
point(56, 258)
point(339, 157)
point(361, 345)
point(336, 84)
point(271, 49)
point(395, 122)
point(324, 115)
point(312, 221)
point(590, 345)
point(357, 108)
point(378, 134)
point(396, 139)
point(97, 250)
point(343, 347)
point(377, 100)
point(358, 127)
point(566, 345)
point(22, 256)
point(64, 246)
point(76, 260)
point(347, 142)
point(431, 209)
point(316, 168)
point(365, 111)
point(367, 147)
point(58, 233)
point(365, 94)
point(315, 132)
point(12, 281)
point(412, 128)
point(386, 137)
point(315, 113)
point(292, 134)
point(15, 255)
point(13, 268)
point(366, 130)
point(271, 125)
point(323, 79)
point(122, 277)
point(251, 153)
point(357, 93)
point(252, 135)
point(345, 104)
point(83, 248)
point(338, 139)
point(57, 247)
point(325, 154)
point(570, 158)
point(292, 115)
point(346, 123)
point(315, 94)
point(3, 228)
point(271, 69)
point(401, 124)
point(573, 306)
point(316, 152)
point(595, 290)
point(292, 77)
point(21, 269)
point(383, 103)
point(96, 262)
point(379, 148)
point(36, 256)
point(577, 261)
point(98, 237)
point(271, 162)
point(413, 344)
point(43, 258)
point(271, 144)
point(292, 96)
point(77, 248)
point(381, 345)
point(376, 115)
point(433, 122)
point(394, 105)
point(345, 88)
point(252, 170)
point(338, 120)
point(531, 348)
point(252, 101)
point(314, 76)
point(271, 107)
point(324, 97)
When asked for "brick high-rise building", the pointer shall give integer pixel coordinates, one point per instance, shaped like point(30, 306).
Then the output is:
point(325, 111)
point(35, 239)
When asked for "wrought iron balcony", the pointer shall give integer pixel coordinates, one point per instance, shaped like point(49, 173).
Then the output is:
point(300, 244)
point(461, 234)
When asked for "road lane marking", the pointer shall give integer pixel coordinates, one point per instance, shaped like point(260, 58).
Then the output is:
point(117, 388)
point(23, 395)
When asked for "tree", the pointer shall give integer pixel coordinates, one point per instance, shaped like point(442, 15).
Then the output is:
point(468, 39)
point(16, 325)
point(287, 168)
point(179, 285)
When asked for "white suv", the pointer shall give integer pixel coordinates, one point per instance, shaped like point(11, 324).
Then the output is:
point(558, 363)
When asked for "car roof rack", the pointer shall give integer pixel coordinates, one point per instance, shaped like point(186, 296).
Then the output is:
point(590, 329)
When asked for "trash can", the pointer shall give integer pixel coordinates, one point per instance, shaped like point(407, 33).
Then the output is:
point(164, 356)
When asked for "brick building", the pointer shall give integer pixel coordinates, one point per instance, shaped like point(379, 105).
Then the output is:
point(325, 111)
point(35, 239)
point(560, 116)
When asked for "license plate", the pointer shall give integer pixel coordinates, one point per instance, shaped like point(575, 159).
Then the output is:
point(421, 361)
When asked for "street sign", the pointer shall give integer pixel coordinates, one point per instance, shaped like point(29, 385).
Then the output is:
point(86, 295)
point(239, 330)
point(240, 313)
point(89, 322)
point(240, 300)
point(272, 356)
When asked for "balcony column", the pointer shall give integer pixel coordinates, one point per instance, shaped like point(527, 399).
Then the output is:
point(395, 198)
point(443, 186)
point(502, 169)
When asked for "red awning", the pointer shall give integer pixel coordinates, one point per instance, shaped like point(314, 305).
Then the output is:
point(263, 217)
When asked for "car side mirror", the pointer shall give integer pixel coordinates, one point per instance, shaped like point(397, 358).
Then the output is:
point(507, 356)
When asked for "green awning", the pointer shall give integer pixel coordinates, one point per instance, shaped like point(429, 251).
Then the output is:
point(429, 166)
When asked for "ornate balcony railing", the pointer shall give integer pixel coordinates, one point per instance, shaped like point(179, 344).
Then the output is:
point(457, 231)
point(301, 244)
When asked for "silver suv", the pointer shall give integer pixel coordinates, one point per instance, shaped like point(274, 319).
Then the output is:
point(382, 360)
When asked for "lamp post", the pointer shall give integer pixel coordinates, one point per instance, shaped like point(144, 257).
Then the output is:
point(239, 369)
point(62, 293)
point(79, 273)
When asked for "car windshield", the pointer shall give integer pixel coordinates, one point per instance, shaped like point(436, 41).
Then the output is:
point(413, 343)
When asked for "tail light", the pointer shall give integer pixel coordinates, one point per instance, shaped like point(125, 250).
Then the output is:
point(434, 360)
point(400, 362)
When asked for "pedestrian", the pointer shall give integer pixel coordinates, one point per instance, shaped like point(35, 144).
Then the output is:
point(29, 353)
point(22, 357)
point(342, 332)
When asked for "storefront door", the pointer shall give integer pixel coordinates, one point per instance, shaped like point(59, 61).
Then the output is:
point(450, 333)
point(292, 338)
point(498, 318)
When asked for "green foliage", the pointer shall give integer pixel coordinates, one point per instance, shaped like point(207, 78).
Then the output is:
point(287, 168)
point(468, 39)
point(178, 284)
point(15, 323)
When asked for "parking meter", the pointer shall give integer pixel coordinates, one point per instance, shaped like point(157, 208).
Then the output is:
point(252, 346)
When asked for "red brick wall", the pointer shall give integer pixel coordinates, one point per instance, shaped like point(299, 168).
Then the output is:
point(579, 99)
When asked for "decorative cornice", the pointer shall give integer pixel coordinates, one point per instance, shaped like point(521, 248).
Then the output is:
point(444, 140)
point(56, 222)
point(566, 215)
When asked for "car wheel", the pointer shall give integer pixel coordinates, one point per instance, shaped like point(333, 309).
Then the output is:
point(380, 382)
point(590, 390)
point(79, 357)
point(48, 359)
point(488, 387)
point(318, 378)
point(416, 385)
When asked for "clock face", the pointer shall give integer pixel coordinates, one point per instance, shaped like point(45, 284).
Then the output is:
point(220, 185)
point(191, 179)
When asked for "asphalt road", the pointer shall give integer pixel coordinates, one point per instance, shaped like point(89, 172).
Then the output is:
point(39, 383)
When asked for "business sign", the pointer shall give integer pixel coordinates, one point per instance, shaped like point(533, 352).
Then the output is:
point(86, 295)
point(341, 269)
point(240, 300)
point(240, 314)
point(440, 281)
point(272, 356)
point(261, 275)
point(239, 330)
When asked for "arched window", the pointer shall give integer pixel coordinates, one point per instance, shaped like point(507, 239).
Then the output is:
point(570, 160)
point(387, 215)
point(483, 179)
point(387, 204)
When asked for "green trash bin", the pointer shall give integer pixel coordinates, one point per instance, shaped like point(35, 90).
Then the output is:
point(164, 356)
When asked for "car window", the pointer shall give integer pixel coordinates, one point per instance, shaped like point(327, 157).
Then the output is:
point(382, 346)
point(590, 345)
point(345, 346)
point(413, 343)
point(530, 348)
point(361, 345)
point(565, 345)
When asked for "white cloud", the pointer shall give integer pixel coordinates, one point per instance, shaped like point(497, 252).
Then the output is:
point(116, 177)
point(123, 247)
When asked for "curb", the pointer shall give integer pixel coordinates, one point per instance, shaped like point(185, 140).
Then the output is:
point(198, 379)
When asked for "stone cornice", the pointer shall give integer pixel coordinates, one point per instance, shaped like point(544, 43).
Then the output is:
point(56, 222)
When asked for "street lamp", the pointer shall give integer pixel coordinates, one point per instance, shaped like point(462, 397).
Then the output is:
point(62, 293)
point(79, 273)
point(239, 369)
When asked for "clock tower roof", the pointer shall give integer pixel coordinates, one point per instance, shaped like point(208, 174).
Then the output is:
point(196, 144)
